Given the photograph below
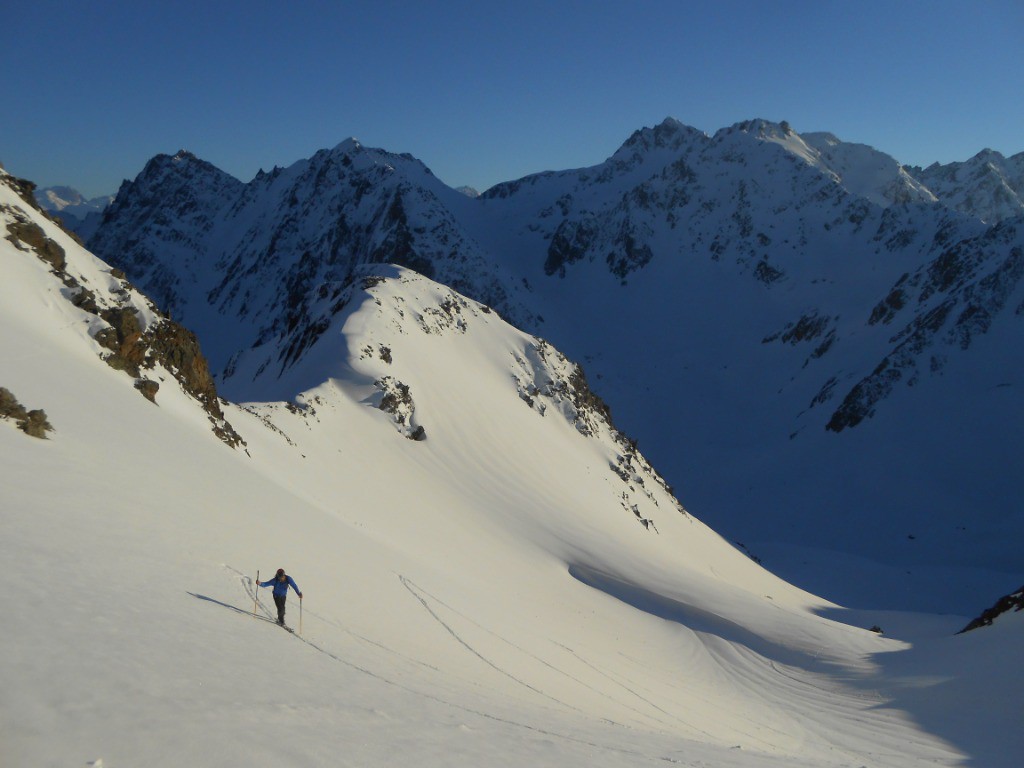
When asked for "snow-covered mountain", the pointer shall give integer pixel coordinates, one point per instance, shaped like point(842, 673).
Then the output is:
point(811, 345)
point(495, 574)
point(866, 172)
point(214, 250)
point(758, 283)
point(988, 186)
point(79, 214)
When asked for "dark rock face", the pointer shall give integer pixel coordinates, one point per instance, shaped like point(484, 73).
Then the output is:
point(148, 389)
point(177, 349)
point(570, 243)
point(956, 296)
point(886, 310)
point(1011, 602)
point(397, 400)
point(124, 340)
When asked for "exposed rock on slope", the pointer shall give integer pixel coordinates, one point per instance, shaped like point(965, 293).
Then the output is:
point(955, 298)
point(1011, 602)
point(398, 339)
point(135, 335)
point(33, 423)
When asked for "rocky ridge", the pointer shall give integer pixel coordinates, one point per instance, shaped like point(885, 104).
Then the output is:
point(253, 252)
point(132, 334)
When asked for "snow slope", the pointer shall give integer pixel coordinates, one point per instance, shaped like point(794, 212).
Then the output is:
point(817, 350)
point(489, 595)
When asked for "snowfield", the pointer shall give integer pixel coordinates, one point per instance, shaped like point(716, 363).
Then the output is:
point(816, 348)
point(515, 589)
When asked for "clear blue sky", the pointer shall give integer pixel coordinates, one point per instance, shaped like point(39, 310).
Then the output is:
point(487, 91)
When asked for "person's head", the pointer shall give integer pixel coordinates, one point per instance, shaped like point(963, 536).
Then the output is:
point(280, 574)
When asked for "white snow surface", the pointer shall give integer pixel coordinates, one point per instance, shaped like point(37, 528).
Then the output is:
point(484, 597)
point(866, 172)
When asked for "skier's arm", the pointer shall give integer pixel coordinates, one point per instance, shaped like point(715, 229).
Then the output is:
point(295, 587)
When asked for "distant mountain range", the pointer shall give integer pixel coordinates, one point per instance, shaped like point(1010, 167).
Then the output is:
point(818, 347)
point(79, 214)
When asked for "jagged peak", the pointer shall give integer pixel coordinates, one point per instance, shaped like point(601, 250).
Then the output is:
point(351, 144)
point(759, 128)
point(668, 133)
point(984, 157)
point(988, 153)
point(182, 161)
point(352, 153)
point(988, 157)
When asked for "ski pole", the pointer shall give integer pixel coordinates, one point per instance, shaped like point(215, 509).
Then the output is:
point(255, 592)
point(300, 615)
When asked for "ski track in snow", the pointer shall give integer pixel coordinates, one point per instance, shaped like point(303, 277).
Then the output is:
point(622, 685)
point(762, 680)
point(421, 596)
point(249, 589)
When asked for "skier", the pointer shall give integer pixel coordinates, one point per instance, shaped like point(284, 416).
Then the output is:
point(281, 582)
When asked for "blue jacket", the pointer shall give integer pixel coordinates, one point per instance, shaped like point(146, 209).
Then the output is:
point(281, 587)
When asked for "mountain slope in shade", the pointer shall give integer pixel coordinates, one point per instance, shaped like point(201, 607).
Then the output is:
point(486, 594)
point(789, 324)
point(768, 297)
point(217, 251)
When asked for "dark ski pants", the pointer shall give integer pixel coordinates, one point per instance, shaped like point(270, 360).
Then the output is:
point(279, 602)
